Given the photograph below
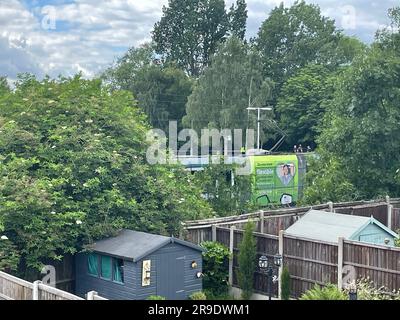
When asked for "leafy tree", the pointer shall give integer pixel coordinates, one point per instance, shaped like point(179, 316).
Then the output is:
point(9, 255)
point(361, 129)
point(329, 292)
point(238, 18)
point(301, 105)
point(225, 198)
point(4, 87)
point(125, 70)
point(215, 268)
point(161, 90)
point(327, 181)
point(290, 38)
point(221, 95)
point(73, 169)
point(190, 31)
point(247, 261)
point(285, 284)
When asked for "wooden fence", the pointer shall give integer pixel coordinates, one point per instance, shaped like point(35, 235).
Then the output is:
point(309, 261)
point(13, 288)
point(313, 262)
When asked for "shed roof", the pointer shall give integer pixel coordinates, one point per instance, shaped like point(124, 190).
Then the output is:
point(327, 226)
point(135, 245)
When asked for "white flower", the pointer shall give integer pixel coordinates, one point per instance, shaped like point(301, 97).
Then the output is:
point(78, 222)
point(4, 238)
point(53, 147)
point(89, 121)
point(53, 212)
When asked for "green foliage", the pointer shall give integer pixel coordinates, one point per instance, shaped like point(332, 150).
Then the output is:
point(301, 105)
point(4, 87)
point(360, 131)
point(285, 283)
point(397, 241)
point(237, 19)
point(292, 37)
point(161, 91)
point(220, 98)
point(189, 32)
point(198, 296)
point(215, 268)
point(247, 261)
point(366, 290)
point(329, 292)
point(327, 181)
point(225, 199)
point(9, 256)
point(73, 169)
point(155, 297)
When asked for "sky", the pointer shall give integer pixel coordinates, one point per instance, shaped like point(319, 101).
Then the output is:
point(63, 37)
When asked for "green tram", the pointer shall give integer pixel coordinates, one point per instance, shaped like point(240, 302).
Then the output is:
point(277, 179)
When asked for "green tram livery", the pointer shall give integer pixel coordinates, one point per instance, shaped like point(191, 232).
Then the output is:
point(276, 178)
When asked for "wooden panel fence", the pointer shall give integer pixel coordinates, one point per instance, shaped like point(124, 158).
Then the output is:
point(13, 288)
point(313, 262)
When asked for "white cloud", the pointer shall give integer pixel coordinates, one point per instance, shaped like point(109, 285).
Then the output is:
point(90, 34)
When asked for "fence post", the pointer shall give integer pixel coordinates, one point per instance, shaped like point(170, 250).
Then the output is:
point(231, 238)
point(35, 290)
point(330, 206)
point(261, 221)
point(340, 262)
point(90, 295)
point(214, 232)
point(280, 251)
point(390, 216)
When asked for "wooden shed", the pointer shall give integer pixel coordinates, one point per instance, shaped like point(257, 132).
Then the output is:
point(135, 265)
point(327, 226)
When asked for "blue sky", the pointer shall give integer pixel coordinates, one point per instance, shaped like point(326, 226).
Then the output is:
point(68, 36)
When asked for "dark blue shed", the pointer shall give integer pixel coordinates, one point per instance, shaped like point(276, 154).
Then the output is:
point(134, 265)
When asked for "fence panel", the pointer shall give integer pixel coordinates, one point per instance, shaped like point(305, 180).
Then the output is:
point(378, 211)
point(396, 219)
point(378, 263)
point(14, 288)
point(309, 262)
point(198, 235)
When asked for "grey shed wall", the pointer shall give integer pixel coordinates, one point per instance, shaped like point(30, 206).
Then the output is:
point(164, 273)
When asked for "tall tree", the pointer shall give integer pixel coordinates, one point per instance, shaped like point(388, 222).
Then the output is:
point(161, 90)
point(302, 103)
point(73, 168)
point(360, 130)
point(290, 38)
point(190, 31)
point(222, 94)
point(238, 19)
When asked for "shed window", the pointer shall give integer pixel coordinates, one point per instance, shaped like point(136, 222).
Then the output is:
point(93, 265)
point(118, 270)
point(105, 267)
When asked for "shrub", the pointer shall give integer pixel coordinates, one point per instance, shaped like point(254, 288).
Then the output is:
point(285, 284)
point(155, 297)
point(329, 292)
point(247, 261)
point(366, 290)
point(215, 268)
point(198, 296)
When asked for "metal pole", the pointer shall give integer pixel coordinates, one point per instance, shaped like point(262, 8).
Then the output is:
point(270, 274)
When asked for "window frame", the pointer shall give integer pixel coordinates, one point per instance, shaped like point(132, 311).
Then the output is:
point(99, 275)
